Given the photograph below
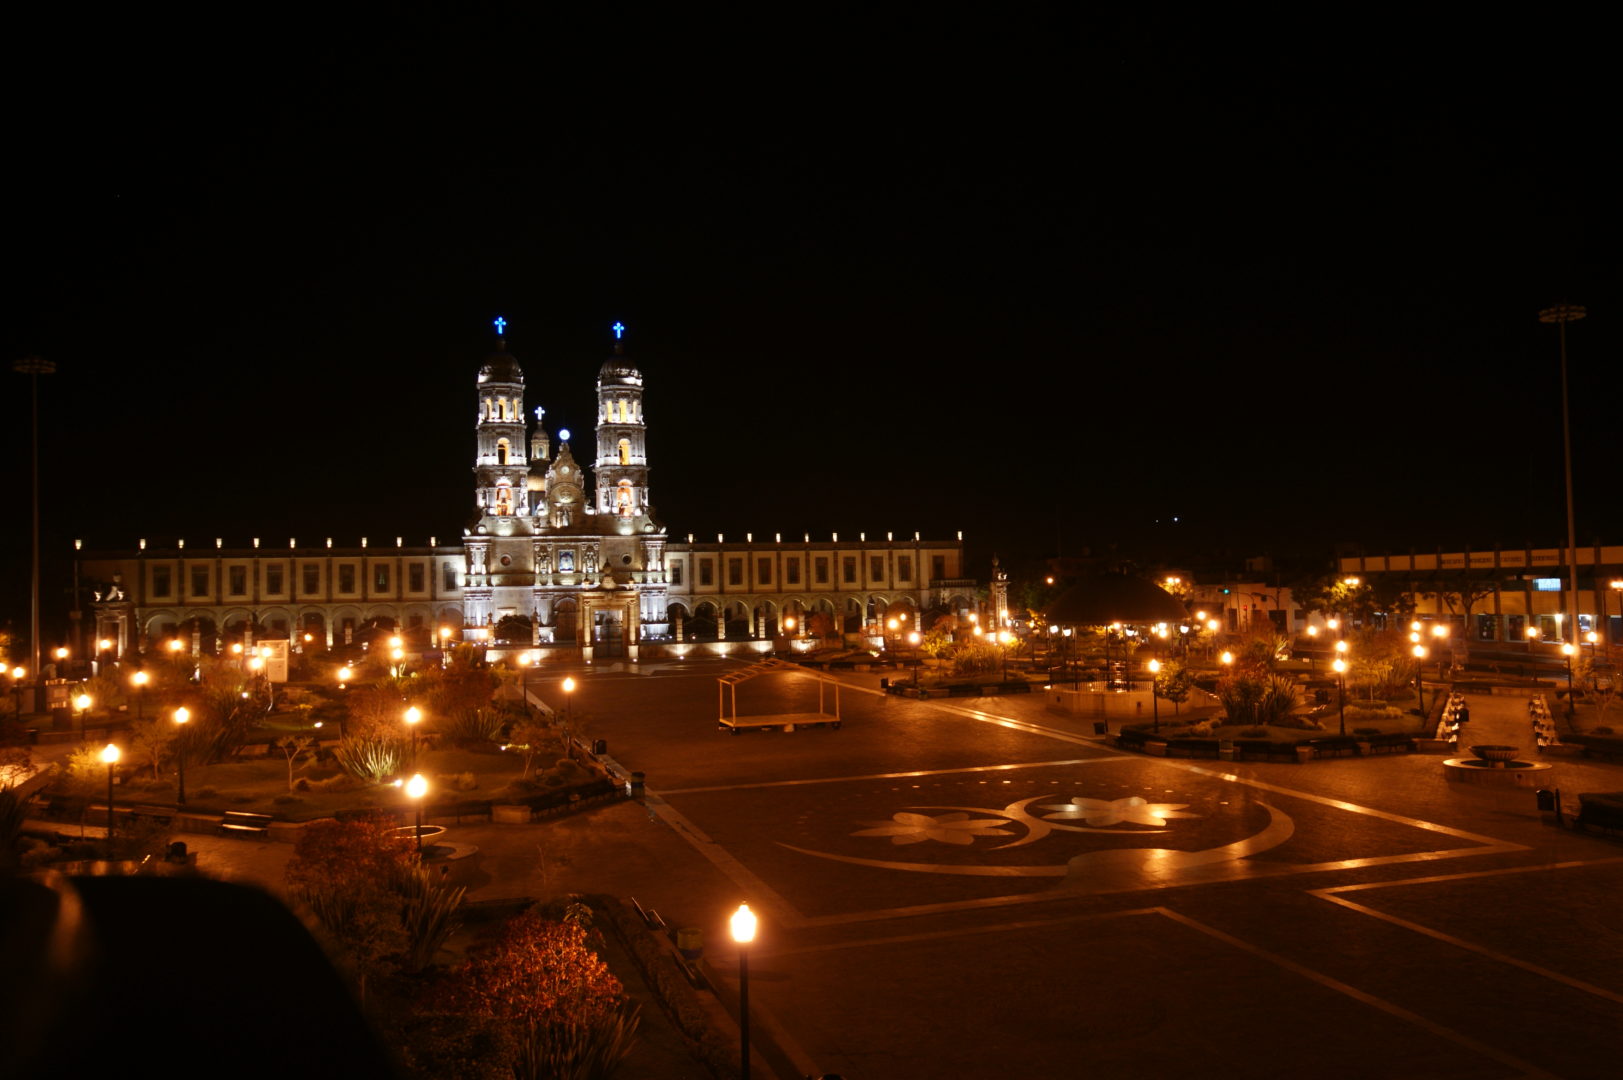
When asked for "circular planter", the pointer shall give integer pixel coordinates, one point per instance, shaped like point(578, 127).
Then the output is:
point(1491, 752)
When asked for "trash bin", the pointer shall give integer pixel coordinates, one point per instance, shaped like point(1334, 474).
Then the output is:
point(177, 853)
point(1100, 727)
point(690, 942)
point(600, 746)
point(884, 684)
point(1549, 806)
point(636, 788)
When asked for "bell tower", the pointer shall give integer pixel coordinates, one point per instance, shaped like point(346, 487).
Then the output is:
point(500, 470)
point(621, 472)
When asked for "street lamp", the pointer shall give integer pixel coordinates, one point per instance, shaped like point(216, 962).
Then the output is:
point(1341, 690)
point(109, 756)
point(414, 716)
point(913, 640)
point(140, 681)
point(1419, 689)
point(1568, 650)
point(182, 715)
point(416, 788)
point(1155, 696)
point(743, 926)
point(569, 690)
point(82, 703)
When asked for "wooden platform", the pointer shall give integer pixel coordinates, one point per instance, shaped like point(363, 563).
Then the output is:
point(729, 720)
point(776, 722)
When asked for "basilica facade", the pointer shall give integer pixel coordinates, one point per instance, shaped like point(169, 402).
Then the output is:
point(555, 557)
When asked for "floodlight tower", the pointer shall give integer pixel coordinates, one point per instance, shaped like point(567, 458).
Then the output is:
point(1561, 315)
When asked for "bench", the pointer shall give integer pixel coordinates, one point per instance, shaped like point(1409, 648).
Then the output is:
point(240, 821)
point(1603, 810)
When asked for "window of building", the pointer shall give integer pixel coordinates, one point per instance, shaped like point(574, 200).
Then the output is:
point(380, 577)
point(415, 577)
point(821, 568)
point(501, 451)
point(876, 567)
point(200, 581)
point(791, 571)
point(674, 571)
point(904, 568)
point(346, 578)
point(625, 451)
point(763, 571)
point(311, 579)
point(735, 571)
point(848, 569)
point(707, 572)
point(273, 580)
point(938, 567)
point(162, 581)
point(450, 577)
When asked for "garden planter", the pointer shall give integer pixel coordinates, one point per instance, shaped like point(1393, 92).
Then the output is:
point(1155, 749)
point(1304, 754)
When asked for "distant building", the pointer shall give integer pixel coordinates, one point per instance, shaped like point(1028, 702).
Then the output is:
point(582, 556)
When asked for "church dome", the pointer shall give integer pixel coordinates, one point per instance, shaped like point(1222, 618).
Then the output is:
point(500, 367)
point(618, 371)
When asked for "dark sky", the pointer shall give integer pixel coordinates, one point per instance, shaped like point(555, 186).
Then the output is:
point(1050, 282)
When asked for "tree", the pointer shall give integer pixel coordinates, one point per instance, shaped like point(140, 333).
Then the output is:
point(1173, 683)
point(151, 742)
point(820, 625)
point(1461, 594)
point(292, 746)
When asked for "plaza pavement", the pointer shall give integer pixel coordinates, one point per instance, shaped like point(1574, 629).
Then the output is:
point(968, 888)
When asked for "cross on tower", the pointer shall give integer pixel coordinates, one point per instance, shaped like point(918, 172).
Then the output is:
point(618, 328)
point(501, 325)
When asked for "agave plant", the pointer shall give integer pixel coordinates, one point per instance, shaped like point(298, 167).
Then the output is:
point(371, 757)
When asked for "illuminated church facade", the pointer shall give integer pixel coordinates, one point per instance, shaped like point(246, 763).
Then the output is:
point(578, 558)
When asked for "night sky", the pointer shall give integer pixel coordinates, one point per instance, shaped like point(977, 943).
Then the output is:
point(1054, 283)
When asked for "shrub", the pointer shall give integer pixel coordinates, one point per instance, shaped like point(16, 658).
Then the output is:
point(1366, 731)
point(369, 757)
point(286, 800)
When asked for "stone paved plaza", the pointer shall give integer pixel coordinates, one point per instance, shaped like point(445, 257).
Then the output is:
point(977, 888)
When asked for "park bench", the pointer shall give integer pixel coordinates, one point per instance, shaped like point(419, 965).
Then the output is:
point(242, 822)
point(1603, 810)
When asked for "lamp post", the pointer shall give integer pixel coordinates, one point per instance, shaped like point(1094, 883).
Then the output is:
point(1313, 642)
point(140, 681)
point(18, 674)
point(1341, 690)
point(109, 756)
point(1155, 695)
point(743, 926)
point(82, 703)
point(1419, 688)
point(1439, 636)
point(416, 788)
point(182, 715)
point(1568, 650)
point(344, 675)
point(414, 716)
point(913, 640)
point(569, 691)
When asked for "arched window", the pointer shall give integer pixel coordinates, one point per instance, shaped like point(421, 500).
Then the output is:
point(504, 500)
point(501, 451)
point(625, 451)
point(622, 497)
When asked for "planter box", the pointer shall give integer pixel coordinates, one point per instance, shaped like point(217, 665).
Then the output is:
point(1304, 754)
point(1155, 749)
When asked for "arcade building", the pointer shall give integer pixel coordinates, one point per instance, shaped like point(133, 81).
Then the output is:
point(555, 558)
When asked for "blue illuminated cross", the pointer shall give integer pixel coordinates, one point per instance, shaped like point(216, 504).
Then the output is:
point(618, 328)
point(501, 325)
